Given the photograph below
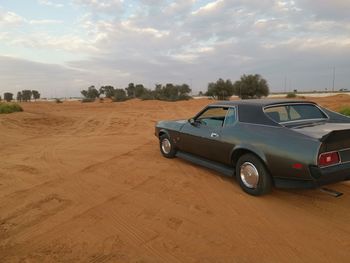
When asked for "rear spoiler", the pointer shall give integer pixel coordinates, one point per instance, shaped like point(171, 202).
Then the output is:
point(336, 136)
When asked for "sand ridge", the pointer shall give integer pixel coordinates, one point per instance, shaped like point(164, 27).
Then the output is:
point(86, 183)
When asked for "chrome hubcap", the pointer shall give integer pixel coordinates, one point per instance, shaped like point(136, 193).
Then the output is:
point(249, 175)
point(166, 146)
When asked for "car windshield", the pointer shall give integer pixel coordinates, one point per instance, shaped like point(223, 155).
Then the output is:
point(294, 112)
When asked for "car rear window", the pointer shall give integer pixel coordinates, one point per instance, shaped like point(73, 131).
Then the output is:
point(294, 112)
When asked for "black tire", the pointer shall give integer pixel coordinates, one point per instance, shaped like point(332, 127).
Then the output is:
point(166, 146)
point(251, 183)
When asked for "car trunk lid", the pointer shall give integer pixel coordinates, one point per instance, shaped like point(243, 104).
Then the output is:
point(335, 137)
point(325, 131)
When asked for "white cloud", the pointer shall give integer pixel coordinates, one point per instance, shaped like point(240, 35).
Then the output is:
point(105, 6)
point(208, 7)
point(50, 3)
point(45, 22)
point(70, 43)
point(171, 41)
point(335, 9)
point(8, 18)
point(127, 26)
point(318, 44)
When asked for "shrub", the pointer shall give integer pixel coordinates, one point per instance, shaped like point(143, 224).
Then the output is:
point(149, 95)
point(87, 100)
point(108, 91)
point(345, 111)
point(291, 95)
point(120, 95)
point(10, 107)
point(169, 92)
point(58, 101)
point(184, 97)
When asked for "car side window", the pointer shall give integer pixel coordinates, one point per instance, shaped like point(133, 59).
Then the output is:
point(230, 117)
point(213, 117)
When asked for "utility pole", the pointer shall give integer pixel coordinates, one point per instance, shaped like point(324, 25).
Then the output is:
point(285, 84)
point(333, 78)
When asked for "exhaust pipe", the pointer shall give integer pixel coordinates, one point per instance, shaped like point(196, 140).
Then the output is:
point(331, 192)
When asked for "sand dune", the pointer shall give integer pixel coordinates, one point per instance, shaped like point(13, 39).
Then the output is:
point(86, 183)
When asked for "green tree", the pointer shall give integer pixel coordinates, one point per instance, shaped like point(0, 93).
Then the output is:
point(84, 93)
point(158, 91)
point(90, 93)
point(8, 96)
point(148, 95)
point(36, 94)
point(184, 89)
point(251, 86)
point(130, 90)
point(19, 96)
point(221, 89)
point(169, 92)
point(26, 95)
point(139, 90)
point(120, 95)
point(108, 91)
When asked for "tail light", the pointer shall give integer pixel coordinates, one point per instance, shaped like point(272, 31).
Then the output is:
point(328, 158)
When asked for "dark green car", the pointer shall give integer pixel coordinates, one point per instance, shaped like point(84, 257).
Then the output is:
point(264, 143)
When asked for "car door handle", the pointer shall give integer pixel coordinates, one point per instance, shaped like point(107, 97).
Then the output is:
point(214, 135)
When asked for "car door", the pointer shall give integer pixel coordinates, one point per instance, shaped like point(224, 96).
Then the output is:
point(202, 136)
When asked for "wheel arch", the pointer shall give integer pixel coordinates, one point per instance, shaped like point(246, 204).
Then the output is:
point(240, 150)
point(162, 132)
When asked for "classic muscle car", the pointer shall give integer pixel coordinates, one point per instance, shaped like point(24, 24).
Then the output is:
point(264, 143)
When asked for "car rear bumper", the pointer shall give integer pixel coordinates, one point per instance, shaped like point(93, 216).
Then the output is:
point(331, 174)
point(322, 176)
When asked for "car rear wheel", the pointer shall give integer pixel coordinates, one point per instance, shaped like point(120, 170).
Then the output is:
point(252, 175)
point(166, 146)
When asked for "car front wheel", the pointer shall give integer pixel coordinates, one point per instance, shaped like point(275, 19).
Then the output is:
point(166, 146)
point(252, 175)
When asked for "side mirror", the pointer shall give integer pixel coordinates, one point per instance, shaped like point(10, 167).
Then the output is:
point(192, 121)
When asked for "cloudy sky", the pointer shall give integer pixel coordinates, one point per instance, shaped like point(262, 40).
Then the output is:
point(61, 47)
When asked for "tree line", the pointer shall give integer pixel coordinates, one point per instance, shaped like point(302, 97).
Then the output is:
point(248, 87)
point(168, 92)
point(24, 95)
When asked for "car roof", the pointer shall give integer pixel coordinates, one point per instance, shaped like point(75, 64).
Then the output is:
point(252, 111)
point(258, 102)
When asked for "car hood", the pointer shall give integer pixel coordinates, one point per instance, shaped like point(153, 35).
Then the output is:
point(320, 130)
point(173, 125)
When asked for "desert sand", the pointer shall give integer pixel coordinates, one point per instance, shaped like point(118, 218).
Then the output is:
point(87, 183)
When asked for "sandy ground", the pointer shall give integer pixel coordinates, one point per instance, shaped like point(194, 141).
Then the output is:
point(86, 183)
